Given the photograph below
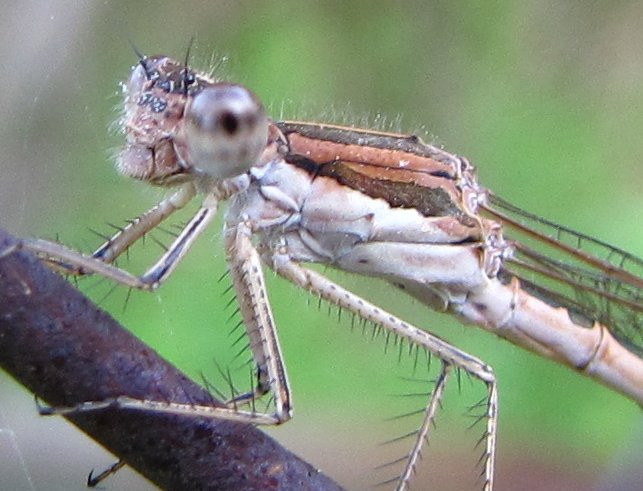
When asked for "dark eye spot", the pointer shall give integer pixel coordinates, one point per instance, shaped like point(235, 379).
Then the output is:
point(165, 85)
point(158, 105)
point(229, 122)
point(144, 99)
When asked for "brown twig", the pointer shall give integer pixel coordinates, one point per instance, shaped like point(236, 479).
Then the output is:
point(65, 350)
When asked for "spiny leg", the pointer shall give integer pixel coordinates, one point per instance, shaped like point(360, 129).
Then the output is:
point(141, 225)
point(245, 268)
point(94, 480)
point(321, 286)
point(247, 277)
point(74, 262)
point(54, 253)
point(423, 432)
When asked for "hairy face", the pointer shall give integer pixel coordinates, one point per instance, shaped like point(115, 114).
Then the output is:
point(179, 122)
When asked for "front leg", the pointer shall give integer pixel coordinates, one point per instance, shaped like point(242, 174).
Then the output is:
point(144, 223)
point(76, 263)
point(245, 267)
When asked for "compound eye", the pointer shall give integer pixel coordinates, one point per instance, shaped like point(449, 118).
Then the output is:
point(226, 130)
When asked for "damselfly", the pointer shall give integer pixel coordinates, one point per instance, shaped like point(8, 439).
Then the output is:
point(368, 202)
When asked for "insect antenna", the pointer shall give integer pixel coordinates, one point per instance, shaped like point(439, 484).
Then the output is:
point(188, 76)
point(142, 59)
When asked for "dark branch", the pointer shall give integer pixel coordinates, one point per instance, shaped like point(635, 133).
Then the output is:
point(64, 349)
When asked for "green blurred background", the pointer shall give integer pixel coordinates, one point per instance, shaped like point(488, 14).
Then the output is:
point(545, 99)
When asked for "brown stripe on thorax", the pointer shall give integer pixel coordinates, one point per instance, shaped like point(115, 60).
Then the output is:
point(323, 143)
point(397, 168)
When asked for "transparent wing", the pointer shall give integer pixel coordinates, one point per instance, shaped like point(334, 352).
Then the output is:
point(592, 279)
